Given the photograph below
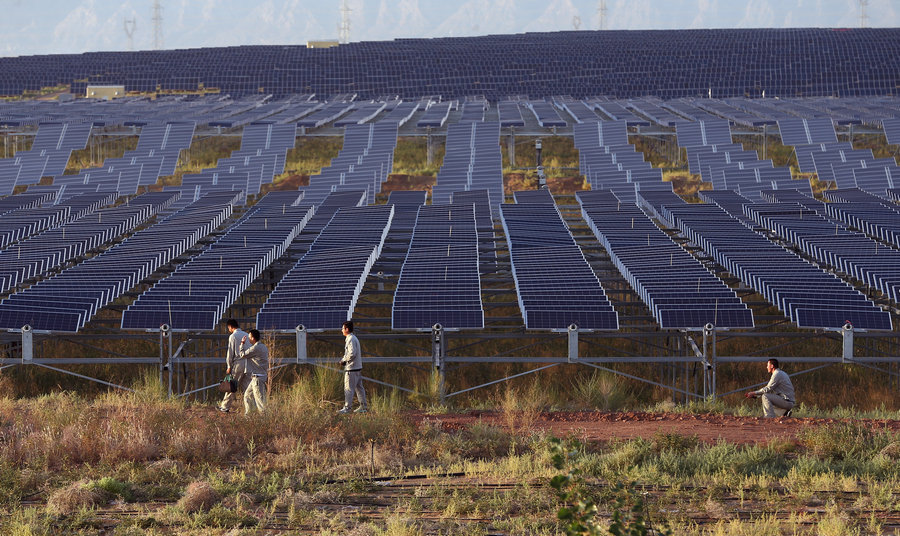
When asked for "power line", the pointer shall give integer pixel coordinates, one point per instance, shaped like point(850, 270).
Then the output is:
point(344, 34)
point(602, 11)
point(130, 25)
point(157, 26)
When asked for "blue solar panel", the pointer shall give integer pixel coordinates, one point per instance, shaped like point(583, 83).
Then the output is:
point(556, 286)
point(442, 260)
point(665, 276)
point(321, 290)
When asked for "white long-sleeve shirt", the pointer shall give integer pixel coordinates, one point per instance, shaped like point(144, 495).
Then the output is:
point(352, 355)
point(780, 385)
point(234, 352)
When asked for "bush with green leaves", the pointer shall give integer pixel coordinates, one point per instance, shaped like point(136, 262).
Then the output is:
point(579, 512)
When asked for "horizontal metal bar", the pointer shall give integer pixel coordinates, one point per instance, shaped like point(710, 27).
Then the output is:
point(82, 361)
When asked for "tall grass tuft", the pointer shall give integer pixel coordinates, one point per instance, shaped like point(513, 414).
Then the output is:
point(600, 390)
point(521, 409)
point(428, 395)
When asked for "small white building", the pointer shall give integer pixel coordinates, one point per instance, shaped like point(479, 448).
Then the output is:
point(105, 92)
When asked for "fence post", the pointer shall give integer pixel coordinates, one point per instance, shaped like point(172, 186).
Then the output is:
point(438, 350)
point(27, 345)
point(301, 344)
point(847, 333)
point(573, 343)
point(164, 336)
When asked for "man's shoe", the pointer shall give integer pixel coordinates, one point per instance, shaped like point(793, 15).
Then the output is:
point(343, 411)
point(223, 410)
point(788, 412)
point(360, 410)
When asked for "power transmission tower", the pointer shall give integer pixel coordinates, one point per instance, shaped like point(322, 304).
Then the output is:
point(344, 34)
point(863, 16)
point(601, 10)
point(157, 26)
point(130, 25)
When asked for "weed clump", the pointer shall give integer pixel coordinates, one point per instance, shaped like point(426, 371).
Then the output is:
point(198, 496)
point(77, 496)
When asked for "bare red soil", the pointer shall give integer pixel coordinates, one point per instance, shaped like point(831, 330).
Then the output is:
point(607, 426)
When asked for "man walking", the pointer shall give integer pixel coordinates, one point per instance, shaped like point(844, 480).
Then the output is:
point(235, 365)
point(257, 362)
point(352, 363)
point(778, 396)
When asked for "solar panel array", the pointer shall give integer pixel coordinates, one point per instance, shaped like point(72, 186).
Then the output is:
point(673, 63)
point(680, 292)
point(699, 133)
point(69, 299)
point(440, 282)
point(364, 163)
point(547, 116)
point(891, 128)
point(824, 237)
point(406, 206)
point(38, 254)
point(210, 282)
point(609, 163)
point(436, 114)
point(556, 286)
point(321, 290)
point(818, 150)
point(805, 293)
point(262, 155)
point(364, 112)
point(806, 131)
point(472, 161)
point(510, 114)
point(484, 224)
point(49, 154)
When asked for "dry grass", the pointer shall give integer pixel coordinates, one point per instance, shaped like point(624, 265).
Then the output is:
point(198, 496)
point(74, 497)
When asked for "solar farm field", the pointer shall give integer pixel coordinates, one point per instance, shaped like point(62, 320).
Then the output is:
point(536, 237)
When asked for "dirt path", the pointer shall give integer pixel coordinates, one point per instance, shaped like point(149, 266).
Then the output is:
point(606, 426)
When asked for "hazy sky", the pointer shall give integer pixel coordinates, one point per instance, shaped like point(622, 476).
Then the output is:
point(72, 26)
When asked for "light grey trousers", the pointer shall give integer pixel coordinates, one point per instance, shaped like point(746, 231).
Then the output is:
point(353, 384)
point(775, 406)
point(230, 399)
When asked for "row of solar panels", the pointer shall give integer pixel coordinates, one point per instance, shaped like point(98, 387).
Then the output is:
point(672, 63)
point(440, 277)
point(224, 112)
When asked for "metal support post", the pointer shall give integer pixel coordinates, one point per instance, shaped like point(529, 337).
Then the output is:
point(380, 280)
point(511, 146)
point(164, 335)
point(847, 333)
point(27, 345)
point(438, 352)
point(429, 147)
point(573, 343)
point(709, 359)
point(301, 345)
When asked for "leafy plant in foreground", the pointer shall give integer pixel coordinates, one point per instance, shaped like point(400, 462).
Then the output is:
point(580, 513)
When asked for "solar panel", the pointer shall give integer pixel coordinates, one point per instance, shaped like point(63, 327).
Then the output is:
point(806, 131)
point(694, 133)
point(664, 275)
point(232, 263)
point(321, 290)
point(556, 286)
point(442, 259)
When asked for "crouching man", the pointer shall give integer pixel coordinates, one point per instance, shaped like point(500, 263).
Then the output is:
point(778, 395)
